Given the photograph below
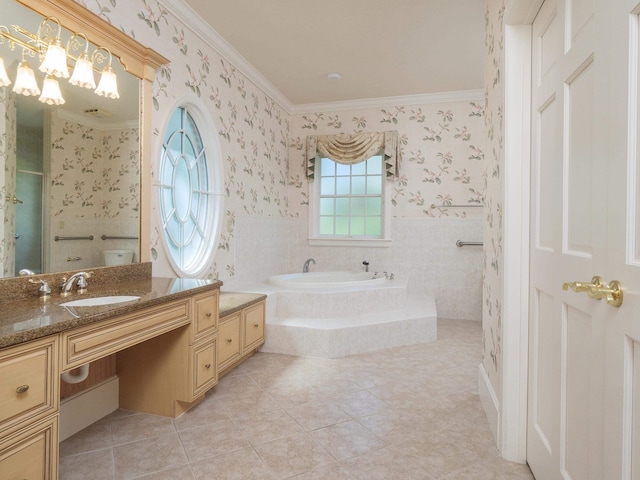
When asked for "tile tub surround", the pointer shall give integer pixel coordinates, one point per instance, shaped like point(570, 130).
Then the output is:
point(409, 412)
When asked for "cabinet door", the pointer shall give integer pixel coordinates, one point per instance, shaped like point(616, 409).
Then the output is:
point(253, 327)
point(229, 337)
point(206, 315)
point(29, 374)
point(205, 370)
point(32, 453)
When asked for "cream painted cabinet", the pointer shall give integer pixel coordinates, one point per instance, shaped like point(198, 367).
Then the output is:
point(241, 333)
point(29, 402)
point(229, 337)
point(168, 374)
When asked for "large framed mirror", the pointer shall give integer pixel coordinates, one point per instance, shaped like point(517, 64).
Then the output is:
point(75, 193)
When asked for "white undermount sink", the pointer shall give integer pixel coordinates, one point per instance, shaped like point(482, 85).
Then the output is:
point(98, 301)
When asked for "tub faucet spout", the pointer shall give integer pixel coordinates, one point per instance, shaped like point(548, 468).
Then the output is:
point(305, 268)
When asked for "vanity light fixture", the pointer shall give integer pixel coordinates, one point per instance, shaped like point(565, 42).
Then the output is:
point(55, 60)
point(26, 80)
point(51, 91)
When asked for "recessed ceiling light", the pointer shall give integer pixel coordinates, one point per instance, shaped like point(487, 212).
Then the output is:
point(334, 76)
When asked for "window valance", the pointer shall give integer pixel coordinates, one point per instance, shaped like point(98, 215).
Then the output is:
point(354, 148)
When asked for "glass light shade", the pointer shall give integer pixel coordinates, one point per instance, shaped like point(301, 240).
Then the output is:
point(51, 92)
point(108, 86)
point(83, 73)
point(26, 81)
point(55, 61)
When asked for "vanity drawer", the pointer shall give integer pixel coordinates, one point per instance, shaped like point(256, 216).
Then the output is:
point(253, 332)
point(206, 315)
point(110, 336)
point(31, 453)
point(29, 388)
point(204, 367)
point(229, 337)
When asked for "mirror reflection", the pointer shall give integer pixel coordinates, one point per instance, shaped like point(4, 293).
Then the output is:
point(69, 186)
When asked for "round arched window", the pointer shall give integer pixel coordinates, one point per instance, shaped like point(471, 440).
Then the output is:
point(189, 187)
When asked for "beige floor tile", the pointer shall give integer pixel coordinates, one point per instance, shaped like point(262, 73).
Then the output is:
point(97, 465)
point(132, 428)
point(180, 473)
point(206, 412)
point(404, 413)
point(325, 472)
point(238, 406)
point(293, 455)
point(383, 464)
point(94, 437)
point(361, 403)
point(312, 416)
point(268, 426)
point(147, 456)
point(347, 439)
point(242, 464)
point(216, 438)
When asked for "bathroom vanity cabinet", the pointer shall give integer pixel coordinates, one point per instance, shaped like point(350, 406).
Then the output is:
point(29, 403)
point(241, 333)
point(169, 353)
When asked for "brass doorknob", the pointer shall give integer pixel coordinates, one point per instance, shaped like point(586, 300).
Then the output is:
point(598, 290)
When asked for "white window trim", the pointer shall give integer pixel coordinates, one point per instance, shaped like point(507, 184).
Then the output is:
point(314, 215)
point(205, 123)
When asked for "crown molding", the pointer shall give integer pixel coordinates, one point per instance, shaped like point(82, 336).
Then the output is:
point(402, 100)
point(183, 12)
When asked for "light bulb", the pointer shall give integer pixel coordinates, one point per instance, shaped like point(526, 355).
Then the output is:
point(51, 92)
point(26, 81)
point(55, 61)
point(108, 86)
point(83, 73)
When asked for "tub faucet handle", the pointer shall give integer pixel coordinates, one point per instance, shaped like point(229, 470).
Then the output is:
point(366, 265)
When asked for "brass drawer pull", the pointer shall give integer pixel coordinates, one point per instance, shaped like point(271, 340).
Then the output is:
point(256, 325)
point(22, 388)
point(208, 314)
point(229, 340)
point(207, 366)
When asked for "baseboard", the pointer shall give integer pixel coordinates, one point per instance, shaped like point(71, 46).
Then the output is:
point(489, 402)
point(87, 407)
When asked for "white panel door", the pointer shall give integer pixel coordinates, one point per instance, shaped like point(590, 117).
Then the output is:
point(568, 243)
point(622, 366)
point(584, 354)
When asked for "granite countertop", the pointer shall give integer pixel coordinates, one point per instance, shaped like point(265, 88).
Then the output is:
point(25, 319)
point(231, 302)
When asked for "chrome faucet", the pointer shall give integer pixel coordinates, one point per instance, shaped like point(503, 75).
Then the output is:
point(81, 277)
point(305, 268)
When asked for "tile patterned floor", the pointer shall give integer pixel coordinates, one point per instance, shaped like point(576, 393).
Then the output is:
point(405, 413)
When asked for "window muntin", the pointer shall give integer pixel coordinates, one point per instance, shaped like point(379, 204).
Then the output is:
point(187, 199)
point(350, 199)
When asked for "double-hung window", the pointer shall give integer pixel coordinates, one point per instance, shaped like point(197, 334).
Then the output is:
point(348, 202)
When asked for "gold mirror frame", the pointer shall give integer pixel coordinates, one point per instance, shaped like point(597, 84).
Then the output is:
point(138, 60)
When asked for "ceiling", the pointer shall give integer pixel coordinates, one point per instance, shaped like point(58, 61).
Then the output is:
point(382, 48)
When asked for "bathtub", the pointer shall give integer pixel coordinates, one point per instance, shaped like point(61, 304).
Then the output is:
point(334, 314)
point(324, 280)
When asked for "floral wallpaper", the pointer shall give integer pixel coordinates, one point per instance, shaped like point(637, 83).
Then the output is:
point(93, 190)
point(8, 147)
point(261, 147)
point(252, 129)
point(442, 155)
point(493, 227)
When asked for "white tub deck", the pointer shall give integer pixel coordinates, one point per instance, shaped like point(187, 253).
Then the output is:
point(338, 323)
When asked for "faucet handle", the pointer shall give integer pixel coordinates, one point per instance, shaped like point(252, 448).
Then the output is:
point(44, 291)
